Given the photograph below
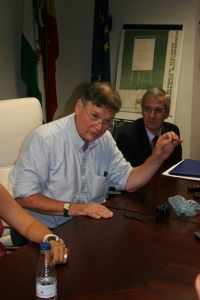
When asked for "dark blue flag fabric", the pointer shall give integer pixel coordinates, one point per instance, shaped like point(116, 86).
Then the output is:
point(101, 45)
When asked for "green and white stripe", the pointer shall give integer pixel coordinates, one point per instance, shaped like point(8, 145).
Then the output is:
point(31, 56)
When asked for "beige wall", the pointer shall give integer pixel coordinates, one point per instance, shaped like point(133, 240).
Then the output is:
point(75, 29)
point(195, 119)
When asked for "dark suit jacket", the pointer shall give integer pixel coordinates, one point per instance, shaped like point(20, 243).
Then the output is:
point(133, 142)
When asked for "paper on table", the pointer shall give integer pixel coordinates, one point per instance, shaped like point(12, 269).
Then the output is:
point(166, 173)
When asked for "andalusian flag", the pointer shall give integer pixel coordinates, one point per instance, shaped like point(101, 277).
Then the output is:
point(101, 44)
point(33, 55)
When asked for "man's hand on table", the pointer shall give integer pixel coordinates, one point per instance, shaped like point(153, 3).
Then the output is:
point(96, 211)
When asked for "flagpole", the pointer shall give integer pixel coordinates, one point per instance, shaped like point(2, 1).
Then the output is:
point(46, 67)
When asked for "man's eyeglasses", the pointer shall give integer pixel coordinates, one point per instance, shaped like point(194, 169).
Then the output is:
point(96, 119)
point(156, 110)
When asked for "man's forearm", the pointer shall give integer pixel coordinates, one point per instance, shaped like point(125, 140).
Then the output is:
point(42, 204)
point(48, 206)
point(141, 175)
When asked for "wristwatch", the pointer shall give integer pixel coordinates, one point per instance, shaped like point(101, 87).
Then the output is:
point(66, 207)
point(51, 237)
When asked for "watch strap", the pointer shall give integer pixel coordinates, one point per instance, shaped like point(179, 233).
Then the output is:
point(66, 207)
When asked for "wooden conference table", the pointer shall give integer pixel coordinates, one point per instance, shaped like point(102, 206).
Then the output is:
point(119, 258)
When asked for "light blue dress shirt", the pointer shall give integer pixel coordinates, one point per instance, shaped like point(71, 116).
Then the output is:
point(52, 163)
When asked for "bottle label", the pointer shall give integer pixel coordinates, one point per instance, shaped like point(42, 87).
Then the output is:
point(46, 291)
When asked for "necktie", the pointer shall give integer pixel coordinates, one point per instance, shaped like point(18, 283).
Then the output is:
point(155, 140)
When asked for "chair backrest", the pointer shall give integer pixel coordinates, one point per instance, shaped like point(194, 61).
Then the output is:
point(18, 117)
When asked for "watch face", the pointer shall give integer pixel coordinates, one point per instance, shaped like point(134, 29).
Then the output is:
point(66, 205)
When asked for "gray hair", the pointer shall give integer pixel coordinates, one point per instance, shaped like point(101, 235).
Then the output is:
point(101, 93)
point(157, 92)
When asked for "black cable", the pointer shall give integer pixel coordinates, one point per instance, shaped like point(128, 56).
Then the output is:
point(126, 213)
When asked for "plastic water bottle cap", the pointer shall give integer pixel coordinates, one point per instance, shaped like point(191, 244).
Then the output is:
point(45, 246)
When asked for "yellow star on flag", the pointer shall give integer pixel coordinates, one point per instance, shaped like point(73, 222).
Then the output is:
point(106, 46)
point(106, 30)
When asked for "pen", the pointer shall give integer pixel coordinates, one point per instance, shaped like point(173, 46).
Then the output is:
point(105, 173)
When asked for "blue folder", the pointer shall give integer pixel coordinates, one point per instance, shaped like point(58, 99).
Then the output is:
point(188, 167)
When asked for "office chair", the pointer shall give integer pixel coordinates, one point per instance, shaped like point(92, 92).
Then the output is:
point(18, 117)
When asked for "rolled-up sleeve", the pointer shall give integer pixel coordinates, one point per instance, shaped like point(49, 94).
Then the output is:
point(119, 168)
point(30, 174)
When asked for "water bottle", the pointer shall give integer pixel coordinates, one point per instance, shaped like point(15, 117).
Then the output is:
point(46, 279)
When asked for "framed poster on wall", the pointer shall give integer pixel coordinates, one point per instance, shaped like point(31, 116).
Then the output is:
point(150, 56)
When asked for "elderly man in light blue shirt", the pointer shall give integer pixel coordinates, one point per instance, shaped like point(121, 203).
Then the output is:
point(66, 166)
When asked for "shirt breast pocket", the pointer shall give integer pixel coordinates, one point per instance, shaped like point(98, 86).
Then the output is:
point(98, 187)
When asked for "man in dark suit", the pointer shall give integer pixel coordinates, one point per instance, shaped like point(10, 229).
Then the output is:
point(136, 141)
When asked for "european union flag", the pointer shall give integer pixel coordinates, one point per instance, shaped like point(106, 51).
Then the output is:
point(101, 45)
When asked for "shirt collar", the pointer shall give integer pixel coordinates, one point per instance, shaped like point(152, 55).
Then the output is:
point(151, 135)
point(77, 140)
